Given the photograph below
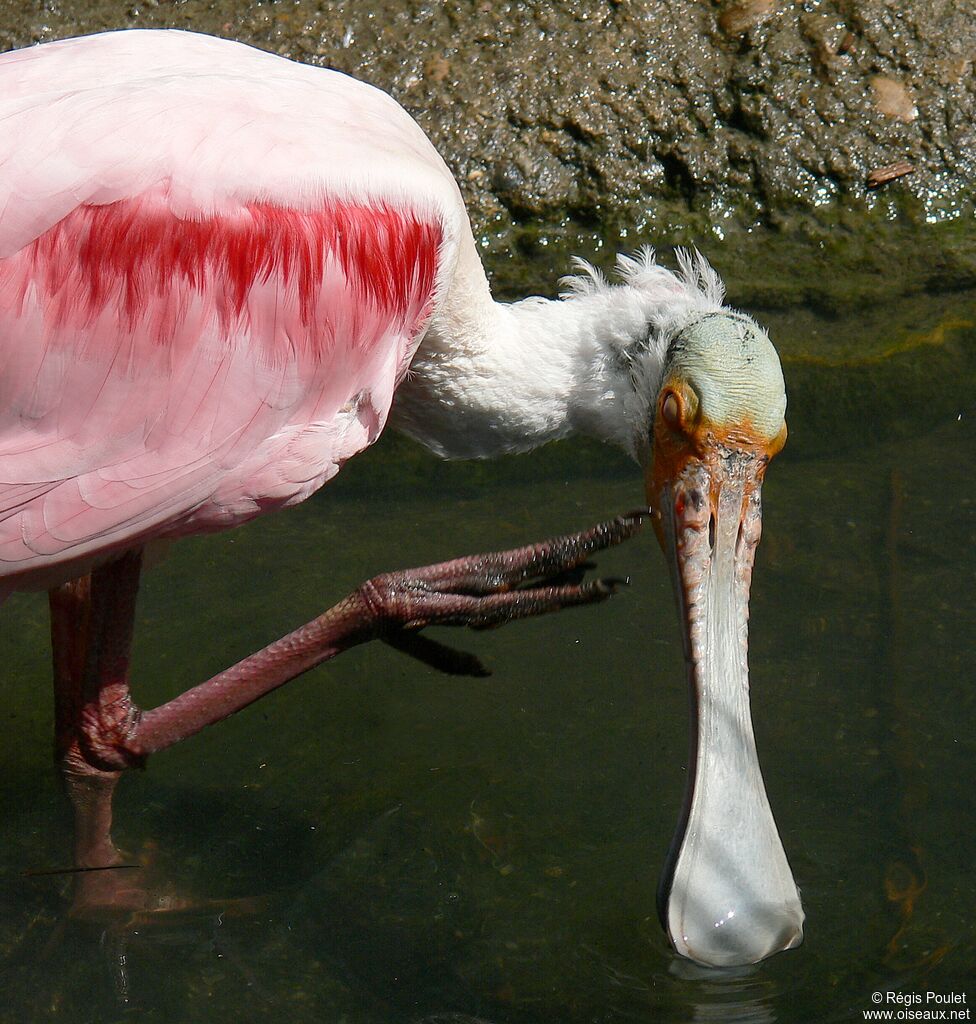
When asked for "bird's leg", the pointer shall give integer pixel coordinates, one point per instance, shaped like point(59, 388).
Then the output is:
point(107, 713)
point(69, 605)
point(90, 787)
point(481, 592)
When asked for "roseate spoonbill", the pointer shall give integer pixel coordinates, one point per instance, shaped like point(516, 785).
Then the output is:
point(216, 266)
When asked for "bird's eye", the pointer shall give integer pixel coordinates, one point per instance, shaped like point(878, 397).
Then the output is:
point(671, 410)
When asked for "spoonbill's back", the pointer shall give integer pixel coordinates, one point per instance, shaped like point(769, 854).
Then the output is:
point(216, 266)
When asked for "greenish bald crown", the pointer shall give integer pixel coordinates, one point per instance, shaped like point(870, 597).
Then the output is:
point(733, 368)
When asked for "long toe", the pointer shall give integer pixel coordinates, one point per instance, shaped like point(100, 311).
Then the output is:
point(547, 560)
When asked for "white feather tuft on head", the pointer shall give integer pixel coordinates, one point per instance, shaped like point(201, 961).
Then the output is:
point(697, 273)
point(588, 281)
point(633, 319)
point(694, 288)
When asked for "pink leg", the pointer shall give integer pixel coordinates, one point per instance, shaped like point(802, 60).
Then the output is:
point(106, 708)
point(101, 731)
point(89, 788)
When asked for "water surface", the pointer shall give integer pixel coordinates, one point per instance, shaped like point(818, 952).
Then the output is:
point(377, 843)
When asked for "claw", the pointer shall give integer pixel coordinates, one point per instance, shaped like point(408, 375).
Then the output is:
point(487, 591)
point(501, 571)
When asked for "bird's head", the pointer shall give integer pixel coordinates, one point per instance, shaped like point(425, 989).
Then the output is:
point(705, 409)
point(718, 419)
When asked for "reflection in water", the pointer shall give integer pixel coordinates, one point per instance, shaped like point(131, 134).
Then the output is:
point(487, 850)
point(733, 995)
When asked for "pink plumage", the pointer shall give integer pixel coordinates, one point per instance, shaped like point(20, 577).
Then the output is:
point(215, 267)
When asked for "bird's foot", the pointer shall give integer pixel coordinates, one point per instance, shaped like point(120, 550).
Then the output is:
point(108, 885)
point(123, 922)
point(135, 892)
point(489, 590)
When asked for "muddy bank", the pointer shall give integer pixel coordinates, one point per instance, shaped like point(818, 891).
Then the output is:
point(833, 138)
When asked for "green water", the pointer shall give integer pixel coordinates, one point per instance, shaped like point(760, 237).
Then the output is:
point(376, 843)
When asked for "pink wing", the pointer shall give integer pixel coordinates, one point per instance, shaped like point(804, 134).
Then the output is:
point(183, 355)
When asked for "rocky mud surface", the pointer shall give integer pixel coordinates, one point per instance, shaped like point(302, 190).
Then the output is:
point(832, 139)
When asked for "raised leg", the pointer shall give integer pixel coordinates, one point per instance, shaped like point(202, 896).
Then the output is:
point(101, 731)
point(480, 591)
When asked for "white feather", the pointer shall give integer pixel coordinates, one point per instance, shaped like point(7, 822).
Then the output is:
point(586, 282)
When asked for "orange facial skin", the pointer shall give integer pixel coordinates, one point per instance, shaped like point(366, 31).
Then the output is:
point(682, 435)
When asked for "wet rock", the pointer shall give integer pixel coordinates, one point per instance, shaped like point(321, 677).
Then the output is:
point(893, 99)
point(738, 17)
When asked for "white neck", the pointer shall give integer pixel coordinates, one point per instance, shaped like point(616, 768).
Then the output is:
point(492, 378)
